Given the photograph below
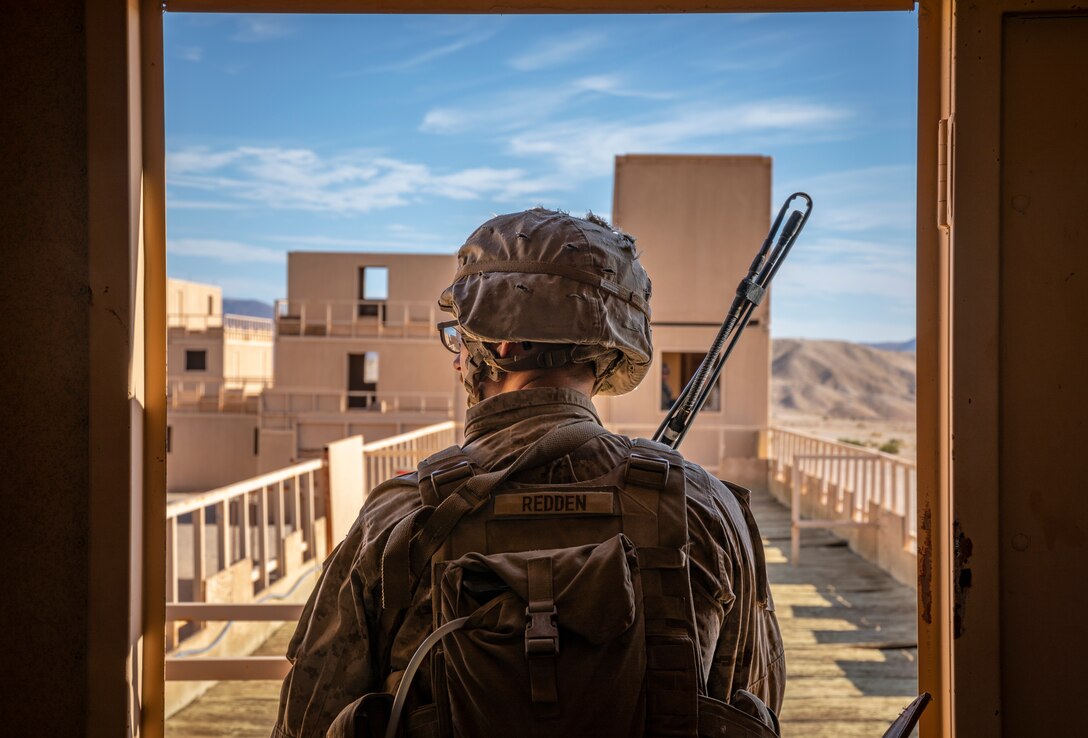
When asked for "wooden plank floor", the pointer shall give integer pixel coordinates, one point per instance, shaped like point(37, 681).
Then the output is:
point(850, 647)
point(850, 633)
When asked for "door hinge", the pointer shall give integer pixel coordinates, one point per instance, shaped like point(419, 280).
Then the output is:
point(945, 153)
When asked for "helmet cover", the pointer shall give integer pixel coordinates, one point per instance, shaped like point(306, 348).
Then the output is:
point(546, 277)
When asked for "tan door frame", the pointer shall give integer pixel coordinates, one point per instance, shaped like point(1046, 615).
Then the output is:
point(932, 337)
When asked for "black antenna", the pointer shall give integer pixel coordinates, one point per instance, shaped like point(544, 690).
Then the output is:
point(750, 292)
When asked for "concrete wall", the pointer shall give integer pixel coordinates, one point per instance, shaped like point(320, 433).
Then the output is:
point(404, 365)
point(335, 276)
point(247, 359)
point(179, 341)
point(194, 304)
point(698, 221)
point(209, 450)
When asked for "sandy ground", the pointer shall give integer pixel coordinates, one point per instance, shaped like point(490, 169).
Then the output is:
point(872, 433)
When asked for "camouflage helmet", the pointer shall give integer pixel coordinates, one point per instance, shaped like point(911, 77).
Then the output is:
point(572, 287)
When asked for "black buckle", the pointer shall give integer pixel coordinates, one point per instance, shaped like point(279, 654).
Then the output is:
point(541, 633)
point(444, 479)
point(645, 471)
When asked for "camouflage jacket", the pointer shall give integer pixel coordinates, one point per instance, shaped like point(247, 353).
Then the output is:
point(340, 651)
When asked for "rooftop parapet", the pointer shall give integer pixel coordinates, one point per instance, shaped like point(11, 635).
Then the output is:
point(234, 327)
point(356, 318)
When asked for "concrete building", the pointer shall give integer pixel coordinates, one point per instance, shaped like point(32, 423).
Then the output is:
point(698, 221)
point(217, 366)
point(357, 352)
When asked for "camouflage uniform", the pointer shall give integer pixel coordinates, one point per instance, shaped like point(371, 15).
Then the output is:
point(341, 650)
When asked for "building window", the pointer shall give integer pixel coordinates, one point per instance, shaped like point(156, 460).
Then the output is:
point(256, 441)
point(211, 305)
point(373, 289)
point(169, 437)
point(196, 360)
point(363, 380)
point(677, 369)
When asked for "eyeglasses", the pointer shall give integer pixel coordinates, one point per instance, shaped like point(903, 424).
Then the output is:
point(450, 335)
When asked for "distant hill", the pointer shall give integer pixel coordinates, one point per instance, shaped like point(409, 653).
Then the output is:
point(254, 308)
point(837, 379)
point(909, 345)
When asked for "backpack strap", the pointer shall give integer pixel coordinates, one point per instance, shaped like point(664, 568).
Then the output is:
point(542, 636)
point(673, 671)
point(435, 523)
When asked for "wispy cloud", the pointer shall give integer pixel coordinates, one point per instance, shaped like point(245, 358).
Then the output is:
point(525, 108)
point(557, 50)
point(469, 39)
point(586, 147)
point(229, 252)
point(258, 28)
point(864, 199)
point(406, 243)
point(175, 203)
point(837, 267)
point(191, 53)
point(345, 183)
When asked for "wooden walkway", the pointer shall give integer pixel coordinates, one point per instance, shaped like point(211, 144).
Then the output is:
point(850, 647)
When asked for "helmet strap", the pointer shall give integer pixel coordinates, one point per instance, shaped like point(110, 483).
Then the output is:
point(549, 357)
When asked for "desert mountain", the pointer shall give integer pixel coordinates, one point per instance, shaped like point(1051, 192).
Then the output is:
point(253, 308)
point(841, 380)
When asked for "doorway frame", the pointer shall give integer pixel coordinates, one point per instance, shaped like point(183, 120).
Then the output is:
point(144, 146)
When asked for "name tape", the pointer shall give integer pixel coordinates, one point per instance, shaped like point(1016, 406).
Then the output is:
point(553, 503)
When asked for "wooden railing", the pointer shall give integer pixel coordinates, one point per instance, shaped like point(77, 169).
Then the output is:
point(248, 328)
point(389, 457)
point(242, 537)
point(231, 551)
point(352, 318)
point(842, 485)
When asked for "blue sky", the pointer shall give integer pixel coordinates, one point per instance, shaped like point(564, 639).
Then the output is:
point(402, 133)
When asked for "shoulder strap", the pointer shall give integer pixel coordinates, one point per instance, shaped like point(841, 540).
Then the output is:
point(435, 523)
point(441, 473)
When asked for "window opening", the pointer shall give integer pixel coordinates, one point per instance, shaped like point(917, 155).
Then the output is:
point(196, 360)
point(677, 369)
point(211, 305)
point(363, 380)
point(373, 289)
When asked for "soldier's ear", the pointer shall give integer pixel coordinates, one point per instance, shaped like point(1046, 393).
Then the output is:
point(504, 349)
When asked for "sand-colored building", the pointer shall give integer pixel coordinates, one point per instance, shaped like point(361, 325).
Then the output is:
point(217, 366)
point(357, 352)
point(698, 221)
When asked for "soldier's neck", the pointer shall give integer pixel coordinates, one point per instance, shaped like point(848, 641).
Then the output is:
point(514, 381)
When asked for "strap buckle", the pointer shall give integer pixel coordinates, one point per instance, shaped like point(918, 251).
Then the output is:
point(541, 632)
point(447, 480)
point(646, 471)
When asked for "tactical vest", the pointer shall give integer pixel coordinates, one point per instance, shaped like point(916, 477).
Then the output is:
point(558, 610)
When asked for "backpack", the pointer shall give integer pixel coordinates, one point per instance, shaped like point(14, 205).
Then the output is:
point(558, 610)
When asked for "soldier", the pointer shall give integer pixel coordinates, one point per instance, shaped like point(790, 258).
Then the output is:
point(604, 586)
